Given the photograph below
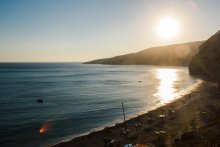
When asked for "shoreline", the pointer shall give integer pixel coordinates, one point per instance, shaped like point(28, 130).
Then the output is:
point(146, 127)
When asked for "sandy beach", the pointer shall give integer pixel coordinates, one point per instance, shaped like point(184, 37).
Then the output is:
point(188, 120)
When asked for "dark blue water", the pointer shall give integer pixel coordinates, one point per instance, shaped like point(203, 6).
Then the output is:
point(78, 98)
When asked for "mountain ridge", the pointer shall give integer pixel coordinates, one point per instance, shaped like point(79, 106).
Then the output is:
point(169, 55)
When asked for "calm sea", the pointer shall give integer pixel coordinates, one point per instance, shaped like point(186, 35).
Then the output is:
point(78, 98)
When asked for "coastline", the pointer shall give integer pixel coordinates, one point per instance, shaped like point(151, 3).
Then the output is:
point(170, 121)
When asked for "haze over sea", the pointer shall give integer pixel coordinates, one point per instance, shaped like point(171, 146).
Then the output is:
point(78, 98)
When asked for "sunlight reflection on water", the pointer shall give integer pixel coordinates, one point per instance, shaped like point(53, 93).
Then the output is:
point(166, 90)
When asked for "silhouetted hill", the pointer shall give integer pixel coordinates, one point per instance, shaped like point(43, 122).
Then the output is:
point(171, 55)
point(206, 63)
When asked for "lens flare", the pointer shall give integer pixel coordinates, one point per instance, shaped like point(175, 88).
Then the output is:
point(41, 130)
point(45, 127)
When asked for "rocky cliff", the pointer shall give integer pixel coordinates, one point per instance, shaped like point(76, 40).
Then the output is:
point(206, 63)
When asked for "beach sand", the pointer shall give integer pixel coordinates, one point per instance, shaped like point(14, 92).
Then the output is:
point(191, 120)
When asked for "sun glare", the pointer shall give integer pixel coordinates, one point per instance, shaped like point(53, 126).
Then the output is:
point(167, 28)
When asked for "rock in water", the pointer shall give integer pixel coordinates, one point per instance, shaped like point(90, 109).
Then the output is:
point(206, 63)
point(40, 101)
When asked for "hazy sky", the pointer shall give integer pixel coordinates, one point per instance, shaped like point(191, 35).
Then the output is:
point(81, 30)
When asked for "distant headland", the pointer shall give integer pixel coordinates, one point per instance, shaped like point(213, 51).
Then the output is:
point(171, 55)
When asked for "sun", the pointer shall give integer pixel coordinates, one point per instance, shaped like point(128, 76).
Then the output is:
point(167, 28)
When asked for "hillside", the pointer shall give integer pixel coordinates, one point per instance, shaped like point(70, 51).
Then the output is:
point(171, 55)
point(206, 63)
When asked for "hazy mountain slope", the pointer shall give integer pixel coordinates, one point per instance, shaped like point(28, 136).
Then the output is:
point(177, 54)
point(206, 63)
